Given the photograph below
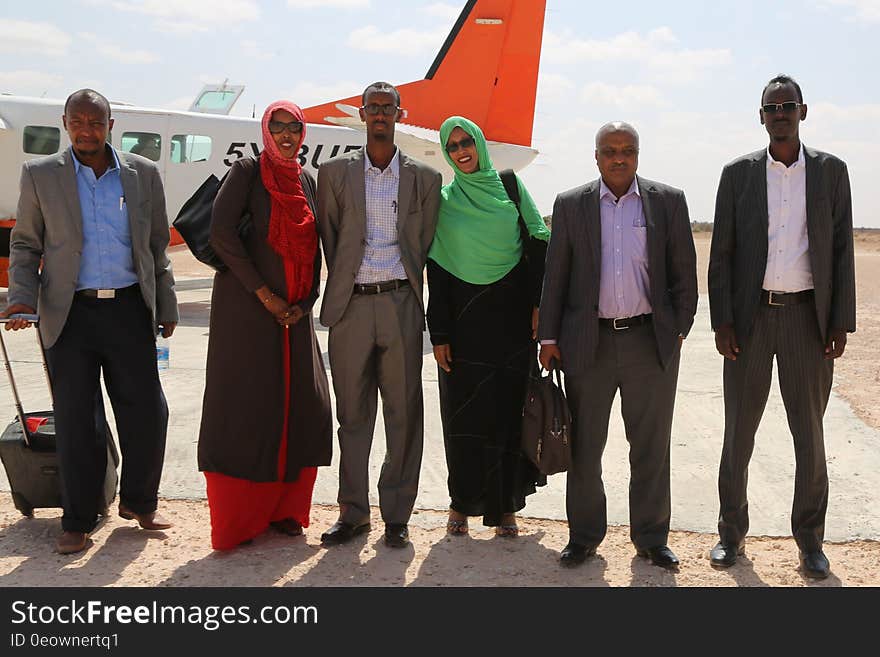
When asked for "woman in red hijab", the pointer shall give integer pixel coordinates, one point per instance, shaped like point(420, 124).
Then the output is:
point(266, 422)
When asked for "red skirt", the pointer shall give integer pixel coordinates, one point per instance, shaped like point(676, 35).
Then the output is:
point(242, 509)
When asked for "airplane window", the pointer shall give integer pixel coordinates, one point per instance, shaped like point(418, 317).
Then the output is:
point(146, 144)
point(41, 140)
point(190, 148)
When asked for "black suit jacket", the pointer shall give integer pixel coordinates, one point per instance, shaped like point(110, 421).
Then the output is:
point(738, 259)
point(570, 298)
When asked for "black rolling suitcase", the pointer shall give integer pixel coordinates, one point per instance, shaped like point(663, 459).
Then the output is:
point(27, 449)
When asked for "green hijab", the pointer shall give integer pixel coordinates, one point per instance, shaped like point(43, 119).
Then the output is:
point(477, 237)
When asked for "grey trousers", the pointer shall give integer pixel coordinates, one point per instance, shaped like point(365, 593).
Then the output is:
point(627, 361)
point(377, 347)
point(791, 334)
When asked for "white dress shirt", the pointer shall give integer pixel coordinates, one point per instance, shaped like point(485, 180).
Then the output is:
point(382, 251)
point(788, 247)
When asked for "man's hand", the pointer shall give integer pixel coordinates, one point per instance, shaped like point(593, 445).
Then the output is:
point(534, 323)
point(16, 309)
point(836, 344)
point(548, 353)
point(443, 356)
point(167, 328)
point(725, 341)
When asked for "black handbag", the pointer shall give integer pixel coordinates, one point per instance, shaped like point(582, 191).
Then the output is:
point(546, 423)
point(193, 222)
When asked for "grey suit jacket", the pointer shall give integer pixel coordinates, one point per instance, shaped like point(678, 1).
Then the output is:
point(738, 258)
point(570, 298)
point(343, 227)
point(48, 226)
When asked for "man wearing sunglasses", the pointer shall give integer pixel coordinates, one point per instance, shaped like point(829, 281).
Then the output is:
point(781, 283)
point(377, 211)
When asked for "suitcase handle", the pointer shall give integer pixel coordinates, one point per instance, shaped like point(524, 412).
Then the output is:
point(18, 407)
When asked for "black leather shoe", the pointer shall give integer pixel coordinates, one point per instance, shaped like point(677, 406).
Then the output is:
point(342, 532)
point(574, 554)
point(815, 564)
point(660, 555)
point(724, 555)
point(396, 535)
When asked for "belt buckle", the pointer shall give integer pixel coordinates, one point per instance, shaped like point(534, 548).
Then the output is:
point(770, 301)
point(105, 294)
point(615, 326)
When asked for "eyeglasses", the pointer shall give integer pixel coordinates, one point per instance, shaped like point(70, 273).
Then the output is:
point(788, 107)
point(277, 127)
point(373, 109)
point(453, 146)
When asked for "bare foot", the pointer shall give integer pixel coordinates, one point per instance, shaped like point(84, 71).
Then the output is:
point(508, 527)
point(457, 523)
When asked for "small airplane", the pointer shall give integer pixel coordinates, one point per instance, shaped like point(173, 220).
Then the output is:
point(486, 70)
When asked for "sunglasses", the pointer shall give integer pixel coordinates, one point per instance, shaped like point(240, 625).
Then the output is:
point(373, 109)
point(453, 146)
point(788, 107)
point(277, 127)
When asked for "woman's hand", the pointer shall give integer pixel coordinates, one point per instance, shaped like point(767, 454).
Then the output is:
point(535, 323)
point(296, 314)
point(275, 305)
point(443, 356)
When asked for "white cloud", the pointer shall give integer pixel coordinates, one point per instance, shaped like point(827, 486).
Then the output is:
point(189, 15)
point(21, 37)
point(862, 10)
point(341, 4)
point(405, 41)
point(253, 50)
point(658, 51)
point(117, 53)
point(554, 87)
point(443, 10)
point(627, 96)
point(29, 83)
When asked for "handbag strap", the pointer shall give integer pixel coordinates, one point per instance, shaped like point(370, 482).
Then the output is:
point(511, 186)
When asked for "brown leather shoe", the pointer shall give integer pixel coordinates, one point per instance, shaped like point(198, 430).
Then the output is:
point(70, 542)
point(151, 520)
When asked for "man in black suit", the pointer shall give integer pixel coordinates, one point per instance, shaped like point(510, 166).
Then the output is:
point(781, 284)
point(620, 293)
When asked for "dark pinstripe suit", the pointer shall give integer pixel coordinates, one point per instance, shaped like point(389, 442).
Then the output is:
point(795, 335)
point(641, 362)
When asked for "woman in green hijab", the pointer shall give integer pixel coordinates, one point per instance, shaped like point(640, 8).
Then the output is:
point(484, 281)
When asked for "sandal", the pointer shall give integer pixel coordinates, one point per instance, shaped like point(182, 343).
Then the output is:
point(507, 531)
point(287, 526)
point(457, 527)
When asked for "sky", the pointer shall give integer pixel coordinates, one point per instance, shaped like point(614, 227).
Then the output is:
point(688, 75)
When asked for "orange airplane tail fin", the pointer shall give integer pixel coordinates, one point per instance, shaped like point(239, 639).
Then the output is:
point(487, 71)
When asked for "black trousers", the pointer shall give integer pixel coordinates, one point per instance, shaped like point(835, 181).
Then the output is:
point(791, 335)
point(113, 336)
point(626, 361)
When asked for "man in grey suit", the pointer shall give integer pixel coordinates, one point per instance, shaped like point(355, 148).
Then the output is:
point(620, 293)
point(88, 250)
point(781, 283)
point(377, 211)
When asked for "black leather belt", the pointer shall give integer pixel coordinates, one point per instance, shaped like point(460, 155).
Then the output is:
point(379, 288)
point(785, 298)
point(624, 322)
point(110, 293)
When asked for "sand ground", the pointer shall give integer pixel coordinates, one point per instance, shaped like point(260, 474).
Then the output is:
point(122, 555)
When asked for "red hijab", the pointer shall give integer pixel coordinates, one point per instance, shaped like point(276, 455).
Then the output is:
point(292, 231)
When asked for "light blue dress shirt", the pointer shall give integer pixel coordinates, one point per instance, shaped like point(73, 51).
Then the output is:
point(624, 285)
point(106, 260)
